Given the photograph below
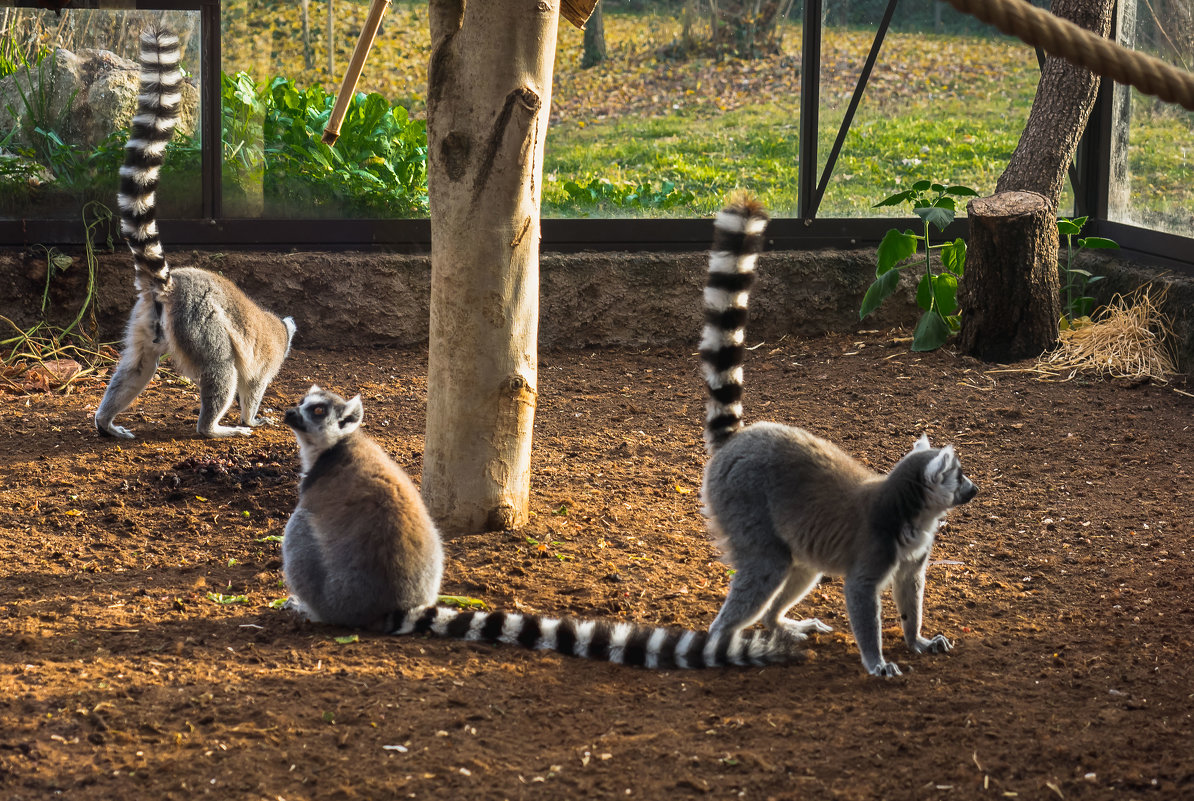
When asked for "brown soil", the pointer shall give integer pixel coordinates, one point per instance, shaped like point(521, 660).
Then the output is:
point(1066, 585)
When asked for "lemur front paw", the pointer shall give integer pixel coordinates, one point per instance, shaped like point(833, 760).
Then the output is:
point(259, 421)
point(937, 645)
point(112, 430)
point(228, 431)
point(885, 670)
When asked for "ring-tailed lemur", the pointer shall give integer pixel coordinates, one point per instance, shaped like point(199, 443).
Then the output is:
point(786, 506)
point(219, 338)
point(361, 550)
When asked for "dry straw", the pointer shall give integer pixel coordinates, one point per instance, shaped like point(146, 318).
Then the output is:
point(1127, 339)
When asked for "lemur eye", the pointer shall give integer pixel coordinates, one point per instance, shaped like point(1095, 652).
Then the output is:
point(319, 411)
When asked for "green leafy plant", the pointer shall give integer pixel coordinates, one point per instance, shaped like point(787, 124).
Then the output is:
point(605, 194)
point(1074, 280)
point(936, 293)
point(378, 165)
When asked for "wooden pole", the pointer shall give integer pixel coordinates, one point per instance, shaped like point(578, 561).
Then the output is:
point(356, 65)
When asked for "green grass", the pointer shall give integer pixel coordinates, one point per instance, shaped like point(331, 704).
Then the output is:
point(756, 147)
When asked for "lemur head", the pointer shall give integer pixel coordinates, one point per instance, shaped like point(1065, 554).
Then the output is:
point(322, 419)
point(945, 485)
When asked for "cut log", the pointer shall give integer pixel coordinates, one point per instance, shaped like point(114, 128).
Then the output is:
point(1010, 295)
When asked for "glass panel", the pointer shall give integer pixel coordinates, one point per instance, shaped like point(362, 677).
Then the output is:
point(674, 120)
point(1152, 141)
point(68, 89)
point(279, 80)
point(946, 102)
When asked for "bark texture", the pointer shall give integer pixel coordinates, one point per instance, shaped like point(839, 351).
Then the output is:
point(1013, 245)
point(594, 40)
point(1064, 98)
point(489, 90)
point(1009, 297)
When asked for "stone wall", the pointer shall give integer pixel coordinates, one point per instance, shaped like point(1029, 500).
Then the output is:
point(586, 299)
point(343, 299)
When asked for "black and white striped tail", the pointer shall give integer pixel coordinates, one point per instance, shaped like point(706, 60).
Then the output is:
point(158, 108)
point(737, 240)
point(621, 643)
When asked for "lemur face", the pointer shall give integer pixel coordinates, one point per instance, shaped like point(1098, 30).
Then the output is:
point(323, 418)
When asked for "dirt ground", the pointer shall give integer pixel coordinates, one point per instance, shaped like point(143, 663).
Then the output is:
point(141, 658)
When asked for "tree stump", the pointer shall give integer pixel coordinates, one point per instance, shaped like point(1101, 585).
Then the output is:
point(1007, 315)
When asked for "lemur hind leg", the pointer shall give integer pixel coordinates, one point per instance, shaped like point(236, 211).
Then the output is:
point(799, 581)
point(143, 347)
point(250, 393)
point(216, 390)
point(759, 575)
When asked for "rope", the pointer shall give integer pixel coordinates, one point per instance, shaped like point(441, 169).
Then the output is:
point(1060, 37)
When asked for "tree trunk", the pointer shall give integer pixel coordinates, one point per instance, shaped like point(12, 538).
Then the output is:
point(1119, 187)
point(308, 62)
point(489, 90)
point(594, 40)
point(331, 41)
point(1013, 237)
point(1064, 98)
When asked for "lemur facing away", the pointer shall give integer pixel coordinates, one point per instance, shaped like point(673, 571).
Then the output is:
point(786, 506)
point(219, 338)
point(361, 550)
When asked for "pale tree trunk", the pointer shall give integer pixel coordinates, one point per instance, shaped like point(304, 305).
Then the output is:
point(1064, 99)
point(489, 91)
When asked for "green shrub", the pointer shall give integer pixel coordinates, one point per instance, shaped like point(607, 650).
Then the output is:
point(377, 167)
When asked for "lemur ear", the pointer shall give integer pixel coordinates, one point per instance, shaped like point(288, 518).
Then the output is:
point(353, 413)
point(314, 388)
point(922, 443)
point(939, 464)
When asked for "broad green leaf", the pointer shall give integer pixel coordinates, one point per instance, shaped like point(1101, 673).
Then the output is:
point(945, 293)
point(961, 191)
point(1068, 228)
point(1097, 242)
point(945, 203)
point(940, 188)
point(894, 248)
point(895, 200)
point(921, 186)
point(953, 256)
point(878, 291)
point(935, 215)
point(931, 332)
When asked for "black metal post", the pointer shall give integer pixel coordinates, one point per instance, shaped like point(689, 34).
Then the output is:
point(810, 102)
point(855, 99)
point(211, 149)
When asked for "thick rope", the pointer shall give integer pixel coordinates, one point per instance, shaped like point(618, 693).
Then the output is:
point(1060, 37)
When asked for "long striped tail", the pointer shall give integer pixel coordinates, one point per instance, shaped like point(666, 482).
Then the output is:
point(737, 240)
point(621, 643)
point(158, 108)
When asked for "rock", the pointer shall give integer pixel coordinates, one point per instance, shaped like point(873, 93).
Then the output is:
point(83, 97)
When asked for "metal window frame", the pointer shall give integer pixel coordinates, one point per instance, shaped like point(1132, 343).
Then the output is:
point(806, 231)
